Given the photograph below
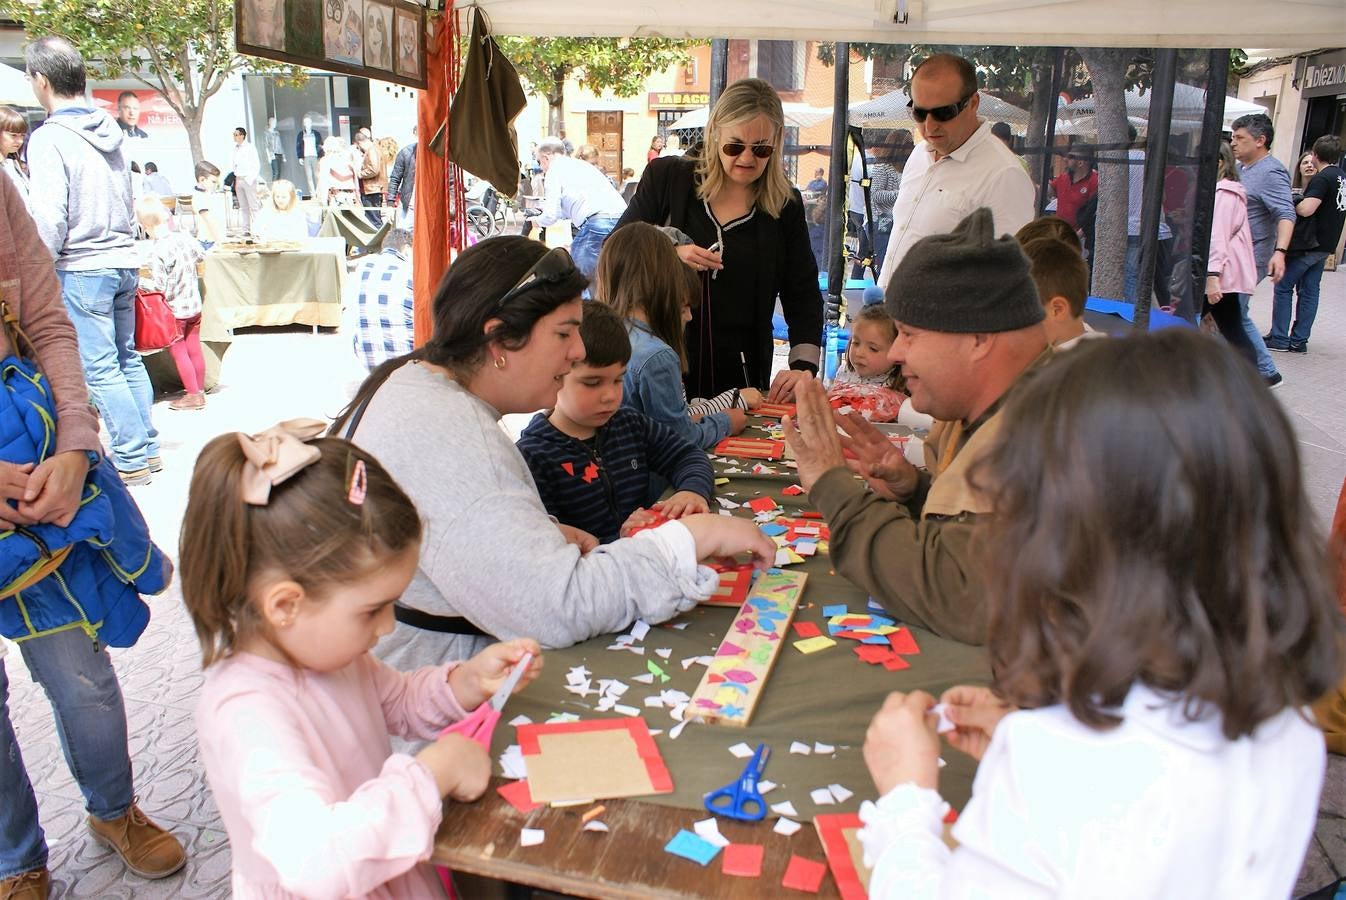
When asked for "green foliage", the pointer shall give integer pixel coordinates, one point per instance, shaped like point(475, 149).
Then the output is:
point(620, 65)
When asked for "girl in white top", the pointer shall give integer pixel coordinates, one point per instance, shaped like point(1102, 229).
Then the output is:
point(13, 133)
point(1163, 617)
point(283, 218)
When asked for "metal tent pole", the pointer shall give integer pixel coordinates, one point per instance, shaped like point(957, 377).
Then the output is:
point(719, 68)
point(840, 175)
point(1208, 171)
point(1049, 142)
point(1156, 160)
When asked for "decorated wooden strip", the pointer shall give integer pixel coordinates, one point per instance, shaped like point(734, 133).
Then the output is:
point(750, 448)
point(734, 680)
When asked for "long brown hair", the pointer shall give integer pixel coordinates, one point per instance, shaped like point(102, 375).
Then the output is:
point(638, 270)
point(741, 102)
point(467, 298)
point(308, 531)
point(1151, 526)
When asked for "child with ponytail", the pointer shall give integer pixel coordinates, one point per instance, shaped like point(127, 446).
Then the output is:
point(294, 551)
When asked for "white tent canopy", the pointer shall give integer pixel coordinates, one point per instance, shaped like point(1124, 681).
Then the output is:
point(891, 111)
point(797, 115)
point(1069, 23)
point(14, 88)
point(1189, 108)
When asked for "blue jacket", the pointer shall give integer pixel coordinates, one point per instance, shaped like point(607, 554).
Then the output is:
point(111, 561)
point(595, 485)
point(653, 385)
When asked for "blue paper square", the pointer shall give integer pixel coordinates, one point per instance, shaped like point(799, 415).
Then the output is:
point(691, 846)
point(771, 529)
point(875, 639)
point(836, 609)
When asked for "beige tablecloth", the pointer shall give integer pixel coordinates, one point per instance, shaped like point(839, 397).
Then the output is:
point(273, 288)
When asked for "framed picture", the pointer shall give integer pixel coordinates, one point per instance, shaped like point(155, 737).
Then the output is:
point(378, 39)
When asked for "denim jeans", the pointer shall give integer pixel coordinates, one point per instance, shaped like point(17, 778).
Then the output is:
point(91, 725)
point(1303, 271)
point(1265, 367)
point(584, 248)
point(101, 303)
point(1163, 269)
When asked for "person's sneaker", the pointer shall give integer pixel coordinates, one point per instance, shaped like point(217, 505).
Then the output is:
point(1274, 344)
point(1274, 380)
point(189, 401)
point(1298, 348)
point(148, 850)
point(155, 464)
point(30, 885)
point(135, 476)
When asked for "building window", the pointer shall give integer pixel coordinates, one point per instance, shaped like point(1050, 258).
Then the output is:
point(777, 66)
point(666, 117)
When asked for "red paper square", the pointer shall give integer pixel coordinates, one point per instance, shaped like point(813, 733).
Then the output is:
point(743, 859)
point(903, 642)
point(804, 875)
point(874, 653)
point(806, 629)
point(516, 794)
point(762, 504)
point(896, 664)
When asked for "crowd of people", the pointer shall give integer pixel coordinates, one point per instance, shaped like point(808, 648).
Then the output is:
point(382, 575)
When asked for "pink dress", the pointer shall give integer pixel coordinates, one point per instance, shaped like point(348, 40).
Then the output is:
point(315, 802)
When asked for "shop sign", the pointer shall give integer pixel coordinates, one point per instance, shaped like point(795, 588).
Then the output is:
point(1324, 78)
point(678, 99)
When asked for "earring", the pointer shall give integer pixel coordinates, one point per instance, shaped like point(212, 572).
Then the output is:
point(499, 362)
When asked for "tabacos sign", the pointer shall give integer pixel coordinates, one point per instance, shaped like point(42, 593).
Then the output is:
point(678, 99)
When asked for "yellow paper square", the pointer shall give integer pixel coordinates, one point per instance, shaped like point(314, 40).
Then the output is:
point(814, 644)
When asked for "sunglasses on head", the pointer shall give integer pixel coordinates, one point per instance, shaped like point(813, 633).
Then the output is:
point(554, 267)
point(736, 148)
point(941, 113)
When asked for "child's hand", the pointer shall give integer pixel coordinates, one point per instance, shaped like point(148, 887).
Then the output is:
point(751, 396)
point(976, 711)
point(477, 679)
point(901, 745)
point(726, 536)
point(738, 420)
point(461, 766)
point(638, 519)
point(683, 503)
point(579, 537)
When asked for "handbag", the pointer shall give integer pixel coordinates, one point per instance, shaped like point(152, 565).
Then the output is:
point(481, 134)
point(156, 327)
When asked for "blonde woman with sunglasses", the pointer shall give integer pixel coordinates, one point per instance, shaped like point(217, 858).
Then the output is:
point(744, 231)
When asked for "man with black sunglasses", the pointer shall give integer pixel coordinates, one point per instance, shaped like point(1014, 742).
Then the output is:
point(958, 167)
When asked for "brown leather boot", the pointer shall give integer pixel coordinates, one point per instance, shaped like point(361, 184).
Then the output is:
point(189, 401)
point(30, 885)
point(148, 850)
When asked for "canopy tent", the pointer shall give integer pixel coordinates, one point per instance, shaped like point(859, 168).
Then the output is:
point(798, 115)
point(1189, 106)
point(14, 88)
point(1037, 23)
point(891, 111)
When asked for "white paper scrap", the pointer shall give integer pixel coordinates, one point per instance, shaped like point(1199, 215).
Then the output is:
point(765, 787)
point(531, 837)
point(709, 831)
point(511, 762)
point(677, 730)
point(840, 793)
point(786, 827)
point(801, 748)
point(820, 747)
point(595, 825)
point(520, 720)
point(654, 702)
point(782, 557)
point(664, 652)
point(727, 504)
point(626, 710)
point(680, 626)
point(822, 797)
point(945, 724)
point(741, 750)
point(695, 661)
point(647, 678)
point(640, 629)
point(806, 548)
point(784, 809)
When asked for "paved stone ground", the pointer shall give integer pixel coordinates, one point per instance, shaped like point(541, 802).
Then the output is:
point(280, 374)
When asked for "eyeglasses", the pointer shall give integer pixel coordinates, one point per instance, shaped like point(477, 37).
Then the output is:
point(941, 113)
point(736, 148)
point(554, 267)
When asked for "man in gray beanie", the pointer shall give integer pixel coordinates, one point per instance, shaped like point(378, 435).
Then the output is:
point(969, 326)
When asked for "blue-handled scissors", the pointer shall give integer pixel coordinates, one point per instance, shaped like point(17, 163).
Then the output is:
point(741, 799)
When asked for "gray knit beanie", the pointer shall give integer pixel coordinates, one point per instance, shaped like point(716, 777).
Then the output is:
point(965, 282)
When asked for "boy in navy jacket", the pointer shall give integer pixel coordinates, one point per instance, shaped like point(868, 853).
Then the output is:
point(596, 462)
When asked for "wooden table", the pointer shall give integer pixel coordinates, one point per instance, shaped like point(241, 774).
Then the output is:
point(827, 696)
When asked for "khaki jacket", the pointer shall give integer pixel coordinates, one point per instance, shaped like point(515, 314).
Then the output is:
point(1330, 711)
point(373, 171)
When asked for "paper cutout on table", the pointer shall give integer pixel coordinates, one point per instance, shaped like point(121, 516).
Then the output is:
point(595, 826)
point(735, 583)
point(845, 855)
point(762, 505)
point(625, 710)
point(691, 846)
point(721, 481)
point(793, 490)
point(945, 724)
point(520, 720)
point(801, 748)
point(656, 670)
point(647, 678)
point(804, 874)
point(750, 648)
point(806, 629)
point(814, 644)
point(516, 795)
point(594, 759)
point(511, 762)
point(726, 503)
point(773, 410)
point(743, 860)
point(750, 448)
point(820, 747)
point(786, 827)
point(709, 830)
point(664, 652)
point(676, 730)
point(836, 609)
point(839, 793)
point(771, 529)
point(822, 797)
point(531, 837)
point(903, 642)
point(639, 629)
point(786, 808)
point(766, 786)
point(741, 750)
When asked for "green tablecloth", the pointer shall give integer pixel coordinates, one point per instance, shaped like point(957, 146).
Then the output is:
point(829, 696)
point(352, 225)
point(270, 288)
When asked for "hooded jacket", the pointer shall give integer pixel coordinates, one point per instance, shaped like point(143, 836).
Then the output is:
point(1231, 240)
point(80, 191)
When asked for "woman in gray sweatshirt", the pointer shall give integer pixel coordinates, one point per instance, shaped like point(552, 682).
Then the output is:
point(506, 331)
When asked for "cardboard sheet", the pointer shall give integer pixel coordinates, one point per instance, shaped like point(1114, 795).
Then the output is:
point(845, 855)
point(593, 760)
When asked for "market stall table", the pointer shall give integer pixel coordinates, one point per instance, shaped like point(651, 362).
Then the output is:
point(824, 698)
point(265, 286)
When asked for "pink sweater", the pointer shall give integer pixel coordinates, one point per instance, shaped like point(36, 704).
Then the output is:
point(1231, 240)
point(315, 802)
point(28, 284)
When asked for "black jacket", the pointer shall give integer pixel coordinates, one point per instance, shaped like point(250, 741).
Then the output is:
point(402, 179)
point(299, 143)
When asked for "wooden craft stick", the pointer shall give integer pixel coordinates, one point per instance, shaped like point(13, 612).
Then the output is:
point(734, 680)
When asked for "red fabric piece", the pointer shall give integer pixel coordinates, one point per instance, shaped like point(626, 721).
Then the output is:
point(744, 860)
point(804, 874)
point(903, 642)
point(430, 237)
point(806, 629)
point(569, 468)
point(517, 795)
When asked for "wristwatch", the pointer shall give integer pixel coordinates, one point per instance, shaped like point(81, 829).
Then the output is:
point(1280, 250)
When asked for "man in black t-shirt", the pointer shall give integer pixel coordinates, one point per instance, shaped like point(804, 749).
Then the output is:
point(1324, 208)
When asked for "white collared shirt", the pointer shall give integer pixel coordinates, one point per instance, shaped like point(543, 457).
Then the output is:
point(936, 195)
point(1157, 807)
point(577, 190)
point(245, 161)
